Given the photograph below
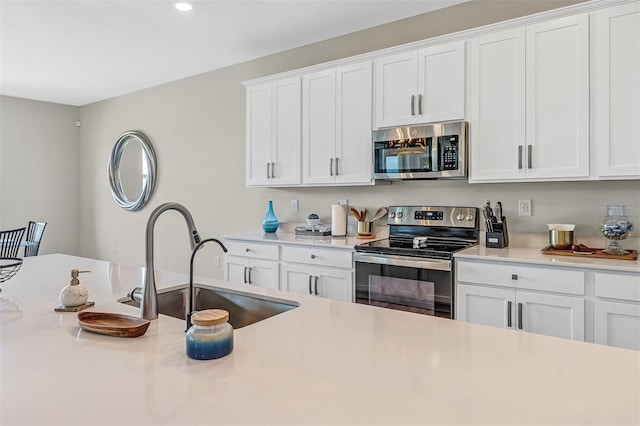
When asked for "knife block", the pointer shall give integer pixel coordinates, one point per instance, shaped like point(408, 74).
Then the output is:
point(499, 238)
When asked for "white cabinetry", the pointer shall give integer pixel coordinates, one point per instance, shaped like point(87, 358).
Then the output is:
point(530, 102)
point(252, 263)
point(273, 133)
point(421, 86)
point(616, 86)
point(317, 271)
point(547, 301)
point(336, 125)
point(617, 310)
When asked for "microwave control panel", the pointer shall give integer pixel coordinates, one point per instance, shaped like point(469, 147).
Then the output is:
point(449, 152)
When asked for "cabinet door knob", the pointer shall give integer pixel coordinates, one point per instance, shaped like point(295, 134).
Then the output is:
point(247, 250)
point(313, 256)
point(514, 276)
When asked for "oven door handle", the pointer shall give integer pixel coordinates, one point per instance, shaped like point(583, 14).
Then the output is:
point(409, 262)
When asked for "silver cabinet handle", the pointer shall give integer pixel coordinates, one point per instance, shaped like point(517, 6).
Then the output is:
point(310, 279)
point(520, 316)
point(268, 172)
point(316, 285)
point(419, 104)
point(519, 157)
point(413, 104)
point(273, 170)
point(337, 172)
point(313, 256)
point(245, 274)
point(331, 167)
point(509, 314)
point(529, 161)
point(514, 276)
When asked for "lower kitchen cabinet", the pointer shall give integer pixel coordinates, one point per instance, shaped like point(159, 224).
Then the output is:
point(324, 282)
point(523, 298)
point(319, 271)
point(252, 263)
point(551, 315)
point(261, 273)
point(617, 310)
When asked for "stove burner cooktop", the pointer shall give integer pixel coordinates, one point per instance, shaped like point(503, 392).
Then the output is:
point(427, 232)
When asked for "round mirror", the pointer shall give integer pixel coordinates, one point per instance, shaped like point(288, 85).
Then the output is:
point(132, 170)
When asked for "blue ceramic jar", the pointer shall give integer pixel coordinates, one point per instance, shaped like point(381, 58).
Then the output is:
point(210, 336)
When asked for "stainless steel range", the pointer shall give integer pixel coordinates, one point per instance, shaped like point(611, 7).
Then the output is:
point(413, 270)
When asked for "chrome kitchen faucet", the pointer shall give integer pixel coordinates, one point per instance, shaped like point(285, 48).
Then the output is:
point(149, 302)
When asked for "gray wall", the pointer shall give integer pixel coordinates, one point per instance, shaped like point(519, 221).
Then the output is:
point(40, 171)
point(197, 127)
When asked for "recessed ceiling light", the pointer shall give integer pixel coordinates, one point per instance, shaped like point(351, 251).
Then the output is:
point(183, 6)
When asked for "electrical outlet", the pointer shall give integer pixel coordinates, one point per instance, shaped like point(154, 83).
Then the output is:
point(524, 207)
point(294, 205)
point(343, 202)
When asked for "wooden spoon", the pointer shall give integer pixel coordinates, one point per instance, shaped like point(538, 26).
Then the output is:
point(355, 213)
point(380, 214)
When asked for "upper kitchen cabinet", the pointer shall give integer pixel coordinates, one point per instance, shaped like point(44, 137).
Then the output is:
point(422, 86)
point(336, 126)
point(530, 102)
point(273, 133)
point(616, 86)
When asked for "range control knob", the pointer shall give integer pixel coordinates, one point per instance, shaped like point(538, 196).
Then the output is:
point(399, 215)
point(460, 216)
point(469, 217)
point(392, 215)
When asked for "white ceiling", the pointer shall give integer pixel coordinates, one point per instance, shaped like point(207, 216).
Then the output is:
point(77, 52)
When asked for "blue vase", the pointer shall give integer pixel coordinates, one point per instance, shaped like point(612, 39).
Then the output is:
point(270, 221)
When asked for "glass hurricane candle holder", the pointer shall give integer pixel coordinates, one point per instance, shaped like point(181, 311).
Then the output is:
point(616, 227)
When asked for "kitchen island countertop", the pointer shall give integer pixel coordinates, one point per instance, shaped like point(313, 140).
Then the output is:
point(324, 362)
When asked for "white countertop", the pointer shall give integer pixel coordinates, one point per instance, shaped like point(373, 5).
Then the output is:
point(534, 255)
point(325, 362)
point(280, 237)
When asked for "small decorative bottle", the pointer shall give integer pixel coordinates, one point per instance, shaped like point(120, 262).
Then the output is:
point(210, 336)
point(616, 227)
point(270, 221)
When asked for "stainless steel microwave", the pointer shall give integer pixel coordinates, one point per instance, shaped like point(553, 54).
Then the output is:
point(430, 151)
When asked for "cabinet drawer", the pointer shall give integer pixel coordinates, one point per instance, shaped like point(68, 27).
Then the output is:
point(618, 286)
point(317, 256)
point(252, 250)
point(555, 280)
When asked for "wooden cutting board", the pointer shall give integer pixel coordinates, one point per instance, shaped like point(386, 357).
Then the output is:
point(632, 255)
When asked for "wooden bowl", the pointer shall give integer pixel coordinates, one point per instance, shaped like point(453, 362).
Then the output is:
point(116, 325)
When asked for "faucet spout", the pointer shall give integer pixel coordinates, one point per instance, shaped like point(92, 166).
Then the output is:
point(193, 256)
point(149, 302)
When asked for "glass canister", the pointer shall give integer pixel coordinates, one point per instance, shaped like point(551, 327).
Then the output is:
point(270, 222)
point(210, 336)
point(616, 227)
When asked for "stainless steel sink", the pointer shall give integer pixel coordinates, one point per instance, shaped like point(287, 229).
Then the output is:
point(244, 309)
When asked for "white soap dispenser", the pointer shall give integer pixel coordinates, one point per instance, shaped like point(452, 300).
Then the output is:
point(75, 294)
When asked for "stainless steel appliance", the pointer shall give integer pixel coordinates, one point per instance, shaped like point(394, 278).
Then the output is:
point(434, 151)
point(413, 270)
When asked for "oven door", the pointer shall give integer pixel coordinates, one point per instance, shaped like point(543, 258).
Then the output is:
point(410, 284)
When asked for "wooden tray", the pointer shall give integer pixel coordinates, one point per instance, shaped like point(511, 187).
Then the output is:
point(117, 325)
point(74, 308)
point(632, 255)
